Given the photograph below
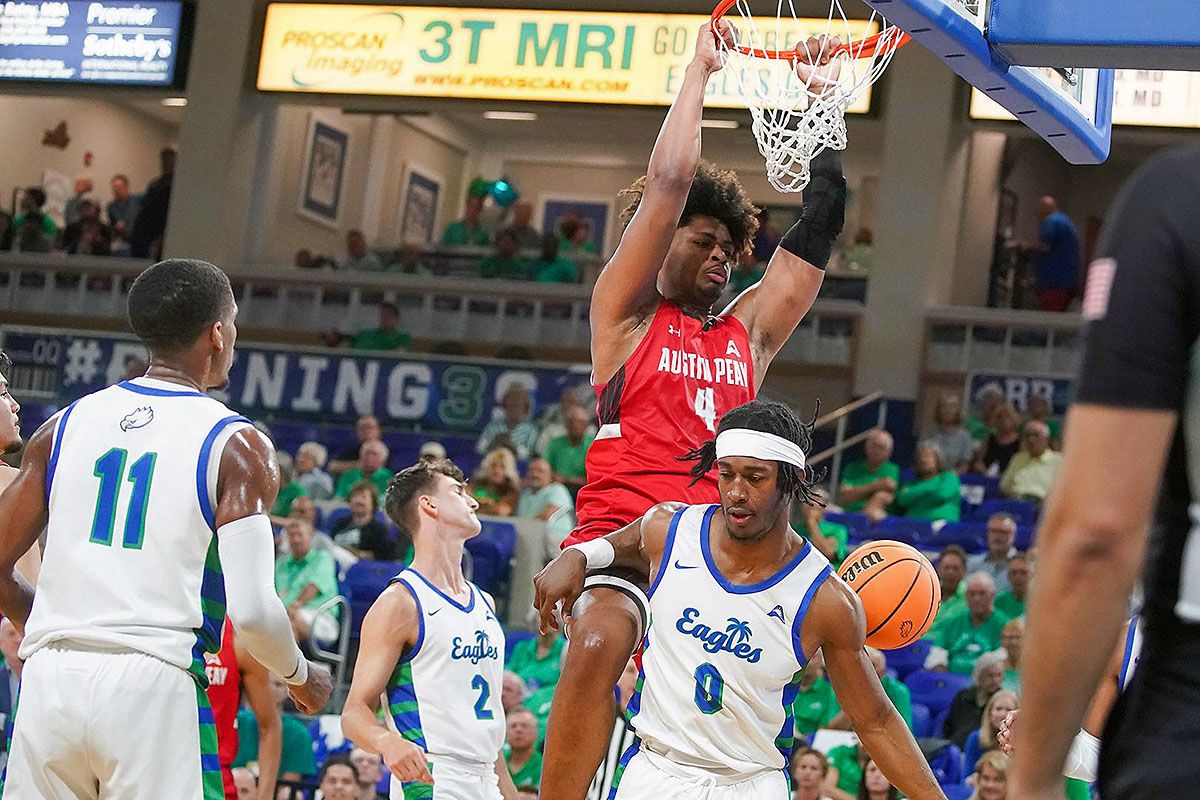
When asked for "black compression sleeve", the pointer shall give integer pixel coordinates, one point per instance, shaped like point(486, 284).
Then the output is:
point(823, 214)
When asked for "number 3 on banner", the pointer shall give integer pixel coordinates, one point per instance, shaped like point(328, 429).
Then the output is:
point(706, 407)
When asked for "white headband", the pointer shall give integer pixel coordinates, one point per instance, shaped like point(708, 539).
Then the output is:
point(757, 444)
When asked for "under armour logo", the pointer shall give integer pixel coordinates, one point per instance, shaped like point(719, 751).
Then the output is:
point(732, 349)
point(777, 613)
point(671, 329)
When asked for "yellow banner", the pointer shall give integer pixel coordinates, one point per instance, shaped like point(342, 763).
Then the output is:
point(503, 54)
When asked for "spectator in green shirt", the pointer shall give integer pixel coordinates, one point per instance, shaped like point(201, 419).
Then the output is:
point(551, 267)
point(289, 489)
point(967, 635)
point(537, 660)
point(1040, 409)
point(873, 479)
point(520, 747)
point(548, 500)
point(1012, 601)
point(990, 400)
point(467, 231)
point(32, 201)
point(831, 538)
point(388, 336)
point(846, 764)
point(304, 580)
point(372, 466)
point(951, 568)
point(505, 262)
point(1012, 640)
point(934, 493)
point(296, 754)
point(815, 705)
point(358, 256)
point(896, 691)
point(567, 454)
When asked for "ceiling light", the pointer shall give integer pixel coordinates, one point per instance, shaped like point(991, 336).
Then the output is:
point(512, 116)
point(174, 102)
point(727, 124)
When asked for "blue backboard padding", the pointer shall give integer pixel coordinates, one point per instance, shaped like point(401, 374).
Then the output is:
point(1163, 34)
point(956, 40)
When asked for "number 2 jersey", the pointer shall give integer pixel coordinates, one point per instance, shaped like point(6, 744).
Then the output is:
point(444, 695)
point(131, 548)
point(721, 661)
point(665, 400)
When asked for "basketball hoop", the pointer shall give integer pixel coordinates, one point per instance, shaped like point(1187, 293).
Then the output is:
point(796, 117)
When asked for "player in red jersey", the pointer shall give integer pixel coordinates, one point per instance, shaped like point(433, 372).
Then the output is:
point(665, 370)
point(229, 672)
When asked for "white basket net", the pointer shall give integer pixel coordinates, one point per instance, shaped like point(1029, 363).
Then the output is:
point(796, 117)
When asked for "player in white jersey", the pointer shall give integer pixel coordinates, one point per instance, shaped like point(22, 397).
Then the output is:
point(154, 499)
point(1083, 759)
point(738, 603)
point(431, 644)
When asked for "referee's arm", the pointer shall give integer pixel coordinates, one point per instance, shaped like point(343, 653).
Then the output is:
point(1092, 539)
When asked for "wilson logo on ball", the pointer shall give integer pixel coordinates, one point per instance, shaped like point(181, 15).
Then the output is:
point(861, 566)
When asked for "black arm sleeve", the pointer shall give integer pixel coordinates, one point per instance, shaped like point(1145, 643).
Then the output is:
point(1138, 345)
point(823, 214)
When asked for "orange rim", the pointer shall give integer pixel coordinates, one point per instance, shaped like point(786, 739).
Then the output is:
point(890, 39)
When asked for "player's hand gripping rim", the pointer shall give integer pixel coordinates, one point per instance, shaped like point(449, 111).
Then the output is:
point(561, 582)
point(406, 760)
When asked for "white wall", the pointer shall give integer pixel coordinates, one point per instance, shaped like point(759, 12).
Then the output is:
point(121, 140)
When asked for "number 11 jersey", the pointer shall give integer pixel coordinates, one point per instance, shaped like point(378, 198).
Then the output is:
point(131, 548)
point(666, 399)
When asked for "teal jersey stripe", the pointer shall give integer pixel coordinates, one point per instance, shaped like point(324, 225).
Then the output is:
point(210, 762)
point(403, 705)
point(785, 742)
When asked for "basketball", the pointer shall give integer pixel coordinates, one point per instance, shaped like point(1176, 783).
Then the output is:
point(899, 591)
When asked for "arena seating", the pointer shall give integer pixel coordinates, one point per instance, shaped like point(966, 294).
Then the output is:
point(908, 660)
point(922, 721)
point(935, 689)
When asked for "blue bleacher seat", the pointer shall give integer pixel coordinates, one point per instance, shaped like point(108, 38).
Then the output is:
point(935, 689)
point(364, 582)
point(908, 660)
point(334, 517)
point(491, 554)
point(511, 638)
point(971, 536)
point(921, 721)
point(1024, 513)
point(1025, 537)
point(857, 524)
point(958, 791)
point(947, 766)
point(938, 727)
point(903, 529)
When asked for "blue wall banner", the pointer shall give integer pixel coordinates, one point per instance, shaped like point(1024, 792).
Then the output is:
point(328, 386)
point(111, 42)
point(1017, 388)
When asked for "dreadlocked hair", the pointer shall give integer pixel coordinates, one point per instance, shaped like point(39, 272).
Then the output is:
point(715, 193)
point(767, 416)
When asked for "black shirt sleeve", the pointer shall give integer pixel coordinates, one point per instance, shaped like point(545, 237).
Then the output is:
point(1137, 350)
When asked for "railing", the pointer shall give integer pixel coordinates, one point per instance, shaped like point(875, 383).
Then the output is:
point(433, 309)
point(841, 418)
point(965, 340)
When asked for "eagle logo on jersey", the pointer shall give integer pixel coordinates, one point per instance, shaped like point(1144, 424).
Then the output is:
point(734, 639)
point(138, 418)
point(481, 649)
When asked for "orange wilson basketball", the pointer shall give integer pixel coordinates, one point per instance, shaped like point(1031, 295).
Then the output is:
point(899, 590)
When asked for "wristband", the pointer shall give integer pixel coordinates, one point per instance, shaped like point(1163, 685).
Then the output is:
point(598, 552)
point(300, 676)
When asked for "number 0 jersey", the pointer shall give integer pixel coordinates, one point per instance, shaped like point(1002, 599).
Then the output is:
point(721, 662)
point(444, 695)
point(131, 549)
point(664, 401)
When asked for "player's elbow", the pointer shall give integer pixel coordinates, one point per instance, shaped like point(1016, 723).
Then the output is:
point(1095, 541)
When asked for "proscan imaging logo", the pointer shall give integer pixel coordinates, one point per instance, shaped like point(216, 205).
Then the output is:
point(363, 46)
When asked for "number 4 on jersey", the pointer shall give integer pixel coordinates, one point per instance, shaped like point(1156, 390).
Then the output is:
point(706, 407)
point(110, 469)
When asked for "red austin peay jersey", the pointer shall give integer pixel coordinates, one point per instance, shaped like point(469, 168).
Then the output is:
point(666, 399)
point(225, 695)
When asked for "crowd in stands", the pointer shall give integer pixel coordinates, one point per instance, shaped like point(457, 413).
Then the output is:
point(516, 251)
point(127, 225)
